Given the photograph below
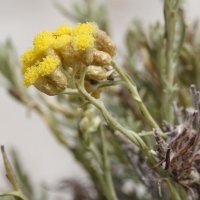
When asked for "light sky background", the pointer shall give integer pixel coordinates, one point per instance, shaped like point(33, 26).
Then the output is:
point(20, 20)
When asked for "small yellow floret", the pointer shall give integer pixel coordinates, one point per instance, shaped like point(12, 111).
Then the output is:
point(24, 68)
point(42, 41)
point(81, 42)
point(63, 29)
point(48, 65)
point(28, 56)
point(62, 41)
point(87, 28)
point(31, 75)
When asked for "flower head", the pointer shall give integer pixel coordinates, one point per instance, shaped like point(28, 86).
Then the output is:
point(80, 29)
point(43, 41)
point(48, 65)
point(63, 29)
point(61, 41)
point(81, 42)
point(31, 75)
point(28, 56)
point(55, 53)
point(42, 68)
point(24, 68)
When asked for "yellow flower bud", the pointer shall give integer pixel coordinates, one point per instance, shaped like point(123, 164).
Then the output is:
point(85, 56)
point(104, 42)
point(28, 57)
point(81, 42)
point(89, 113)
point(96, 73)
point(93, 73)
point(62, 30)
point(51, 84)
point(63, 45)
point(84, 124)
point(80, 29)
point(46, 86)
point(43, 43)
point(46, 73)
point(96, 95)
point(57, 78)
point(101, 57)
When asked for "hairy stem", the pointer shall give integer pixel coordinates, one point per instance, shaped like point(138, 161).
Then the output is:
point(135, 95)
point(107, 171)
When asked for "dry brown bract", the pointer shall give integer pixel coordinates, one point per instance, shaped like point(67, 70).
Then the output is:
point(181, 149)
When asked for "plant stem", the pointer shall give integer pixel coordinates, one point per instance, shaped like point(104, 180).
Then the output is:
point(107, 172)
point(83, 73)
point(135, 95)
point(17, 193)
point(111, 122)
point(10, 174)
point(103, 184)
point(146, 133)
point(170, 13)
point(95, 153)
point(173, 190)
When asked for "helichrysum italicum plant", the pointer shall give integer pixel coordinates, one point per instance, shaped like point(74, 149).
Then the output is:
point(58, 58)
point(76, 64)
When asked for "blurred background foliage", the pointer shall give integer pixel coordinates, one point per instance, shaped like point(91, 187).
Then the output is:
point(143, 61)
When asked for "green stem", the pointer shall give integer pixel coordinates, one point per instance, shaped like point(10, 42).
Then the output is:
point(173, 190)
point(182, 192)
point(73, 76)
point(107, 172)
point(96, 154)
point(109, 83)
point(111, 122)
point(182, 39)
point(70, 91)
point(134, 93)
point(17, 193)
point(83, 74)
point(10, 174)
point(146, 133)
point(103, 184)
point(170, 64)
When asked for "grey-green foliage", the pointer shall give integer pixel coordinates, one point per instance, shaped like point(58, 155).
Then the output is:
point(8, 63)
point(87, 11)
point(143, 62)
point(24, 181)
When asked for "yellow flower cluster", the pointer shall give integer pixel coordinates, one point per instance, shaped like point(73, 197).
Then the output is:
point(46, 43)
point(41, 68)
point(49, 64)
